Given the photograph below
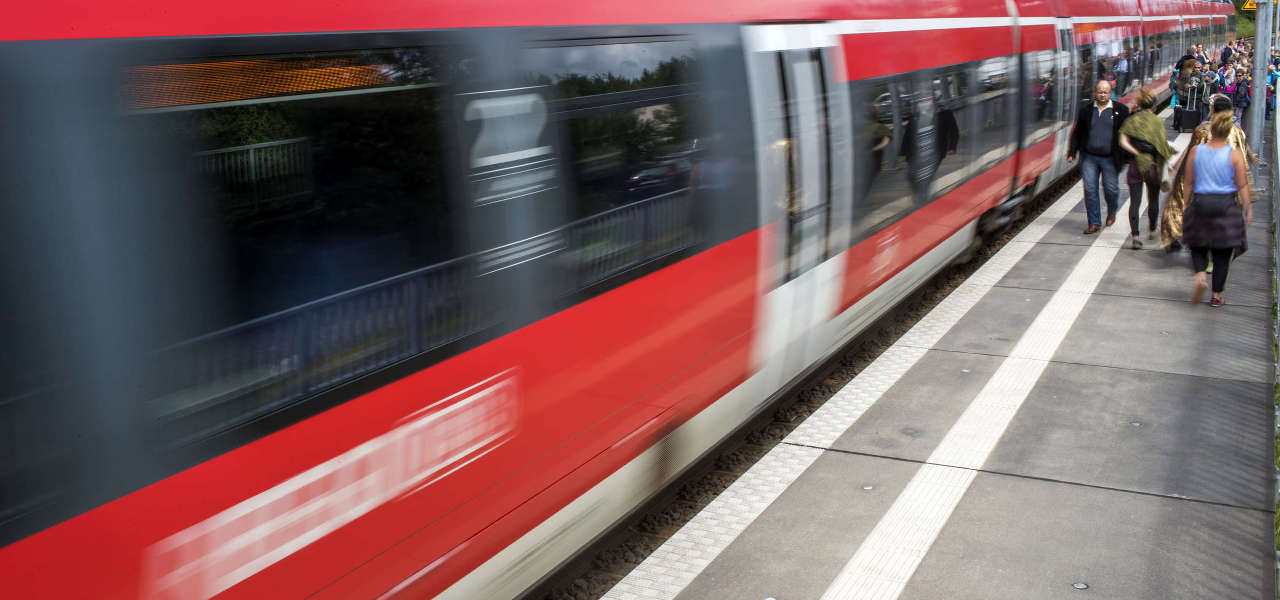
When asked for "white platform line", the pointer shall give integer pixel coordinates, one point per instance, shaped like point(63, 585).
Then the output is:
point(675, 564)
point(839, 412)
point(891, 553)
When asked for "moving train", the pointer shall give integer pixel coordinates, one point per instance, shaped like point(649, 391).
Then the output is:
point(412, 298)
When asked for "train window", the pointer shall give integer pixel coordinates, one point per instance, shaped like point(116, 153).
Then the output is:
point(953, 124)
point(625, 109)
point(1113, 66)
point(1127, 64)
point(1040, 112)
point(884, 190)
point(319, 181)
point(918, 136)
point(997, 112)
point(1065, 83)
point(1085, 70)
point(1152, 60)
point(623, 156)
point(630, 137)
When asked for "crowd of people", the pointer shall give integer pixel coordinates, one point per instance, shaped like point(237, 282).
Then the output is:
point(1199, 75)
point(1207, 208)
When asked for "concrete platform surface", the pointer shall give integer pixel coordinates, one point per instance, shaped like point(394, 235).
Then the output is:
point(1065, 417)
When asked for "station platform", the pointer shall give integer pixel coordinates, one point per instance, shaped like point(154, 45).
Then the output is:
point(1064, 425)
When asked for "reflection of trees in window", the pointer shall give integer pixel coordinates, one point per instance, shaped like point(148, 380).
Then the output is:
point(317, 194)
point(673, 71)
point(615, 153)
point(612, 150)
point(242, 125)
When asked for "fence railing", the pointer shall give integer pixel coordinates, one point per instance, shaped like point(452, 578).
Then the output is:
point(259, 177)
point(611, 242)
point(223, 379)
point(233, 376)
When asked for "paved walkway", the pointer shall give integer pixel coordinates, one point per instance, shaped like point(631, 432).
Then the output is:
point(1064, 417)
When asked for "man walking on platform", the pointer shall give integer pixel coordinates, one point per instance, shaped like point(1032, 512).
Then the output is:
point(1096, 138)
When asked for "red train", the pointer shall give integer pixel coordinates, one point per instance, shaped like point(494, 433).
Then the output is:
point(417, 298)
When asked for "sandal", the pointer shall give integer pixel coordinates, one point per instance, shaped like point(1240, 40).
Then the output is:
point(1216, 302)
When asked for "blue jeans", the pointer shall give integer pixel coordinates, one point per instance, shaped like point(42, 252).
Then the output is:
point(1090, 167)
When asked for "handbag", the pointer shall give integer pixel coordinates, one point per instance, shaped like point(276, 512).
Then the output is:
point(1213, 205)
point(1143, 146)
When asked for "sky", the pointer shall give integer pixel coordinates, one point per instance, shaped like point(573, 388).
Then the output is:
point(625, 60)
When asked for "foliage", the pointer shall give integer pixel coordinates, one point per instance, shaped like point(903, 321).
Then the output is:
point(668, 72)
point(243, 125)
point(1245, 21)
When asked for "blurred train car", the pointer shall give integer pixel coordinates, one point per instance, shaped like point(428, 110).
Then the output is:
point(418, 298)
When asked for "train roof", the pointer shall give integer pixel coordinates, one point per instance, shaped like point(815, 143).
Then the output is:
point(81, 19)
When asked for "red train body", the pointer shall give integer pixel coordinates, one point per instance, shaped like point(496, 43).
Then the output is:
point(416, 299)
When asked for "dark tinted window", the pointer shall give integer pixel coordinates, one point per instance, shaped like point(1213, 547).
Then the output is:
point(266, 229)
point(317, 185)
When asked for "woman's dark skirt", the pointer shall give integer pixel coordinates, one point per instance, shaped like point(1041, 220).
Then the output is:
point(1221, 231)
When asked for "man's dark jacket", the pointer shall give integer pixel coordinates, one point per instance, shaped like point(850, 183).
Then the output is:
point(1084, 119)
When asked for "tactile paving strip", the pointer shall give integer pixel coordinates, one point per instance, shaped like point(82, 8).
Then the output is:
point(683, 556)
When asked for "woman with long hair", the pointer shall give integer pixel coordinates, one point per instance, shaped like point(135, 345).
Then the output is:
point(1176, 203)
point(1220, 207)
point(1142, 135)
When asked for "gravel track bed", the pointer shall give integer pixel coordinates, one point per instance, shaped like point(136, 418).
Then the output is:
point(644, 534)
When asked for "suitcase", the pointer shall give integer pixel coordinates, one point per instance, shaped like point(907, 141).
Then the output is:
point(1186, 119)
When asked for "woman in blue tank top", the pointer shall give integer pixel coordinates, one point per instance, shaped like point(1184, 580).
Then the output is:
point(1220, 209)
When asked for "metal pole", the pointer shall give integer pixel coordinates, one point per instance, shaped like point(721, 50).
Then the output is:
point(1261, 57)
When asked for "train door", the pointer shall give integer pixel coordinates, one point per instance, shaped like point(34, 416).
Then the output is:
point(802, 133)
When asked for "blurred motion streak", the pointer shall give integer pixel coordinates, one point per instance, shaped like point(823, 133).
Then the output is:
point(223, 550)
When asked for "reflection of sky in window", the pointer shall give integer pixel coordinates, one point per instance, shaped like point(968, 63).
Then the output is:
point(988, 68)
point(623, 60)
